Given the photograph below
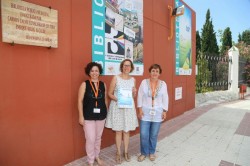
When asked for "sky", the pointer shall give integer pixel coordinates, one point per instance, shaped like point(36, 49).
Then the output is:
point(234, 14)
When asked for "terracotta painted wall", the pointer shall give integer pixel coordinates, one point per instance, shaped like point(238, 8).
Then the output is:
point(39, 86)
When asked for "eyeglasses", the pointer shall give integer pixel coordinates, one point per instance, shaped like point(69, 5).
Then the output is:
point(126, 65)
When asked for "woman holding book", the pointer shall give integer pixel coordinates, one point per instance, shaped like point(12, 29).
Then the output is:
point(121, 116)
point(152, 102)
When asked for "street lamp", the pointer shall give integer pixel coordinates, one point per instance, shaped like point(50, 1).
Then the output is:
point(178, 11)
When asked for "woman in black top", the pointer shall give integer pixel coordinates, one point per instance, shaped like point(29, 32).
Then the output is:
point(92, 107)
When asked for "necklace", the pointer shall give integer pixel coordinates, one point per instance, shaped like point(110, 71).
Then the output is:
point(153, 87)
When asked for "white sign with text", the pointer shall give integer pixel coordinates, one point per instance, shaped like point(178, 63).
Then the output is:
point(178, 93)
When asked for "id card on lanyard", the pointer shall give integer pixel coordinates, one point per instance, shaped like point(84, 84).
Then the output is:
point(96, 91)
point(152, 111)
point(97, 110)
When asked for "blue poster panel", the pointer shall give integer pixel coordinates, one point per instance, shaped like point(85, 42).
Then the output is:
point(117, 34)
point(98, 31)
point(183, 47)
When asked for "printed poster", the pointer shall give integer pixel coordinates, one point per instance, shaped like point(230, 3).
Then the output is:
point(117, 34)
point(183, 41)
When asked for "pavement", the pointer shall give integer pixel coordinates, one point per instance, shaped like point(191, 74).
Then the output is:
point(212, 135)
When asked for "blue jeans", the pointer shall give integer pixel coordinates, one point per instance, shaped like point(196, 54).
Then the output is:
point(148, 136)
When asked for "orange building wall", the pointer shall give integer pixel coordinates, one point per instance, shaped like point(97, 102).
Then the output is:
point(39, 86)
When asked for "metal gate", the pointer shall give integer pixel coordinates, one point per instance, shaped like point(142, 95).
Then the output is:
point(212, 73)
point(242, 64)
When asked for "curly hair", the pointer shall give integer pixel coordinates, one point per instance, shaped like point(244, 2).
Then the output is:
point(91, 65)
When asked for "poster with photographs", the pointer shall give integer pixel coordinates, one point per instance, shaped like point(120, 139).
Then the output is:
point(117, 34)
point(128, 50)
point(183, 44)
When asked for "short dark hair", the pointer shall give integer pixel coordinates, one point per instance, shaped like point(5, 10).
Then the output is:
point(131, 63)
point(91, 65)
point(155, 66)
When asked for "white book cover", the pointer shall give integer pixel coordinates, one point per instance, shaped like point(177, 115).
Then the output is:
point(125, 99)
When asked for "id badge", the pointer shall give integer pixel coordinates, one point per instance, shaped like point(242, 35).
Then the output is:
point(152, 112)
point(97, 110)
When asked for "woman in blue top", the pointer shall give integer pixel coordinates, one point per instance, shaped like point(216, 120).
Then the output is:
point(152, 103)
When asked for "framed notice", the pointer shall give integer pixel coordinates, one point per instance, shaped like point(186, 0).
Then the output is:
point(125, 99)
point(29, 24)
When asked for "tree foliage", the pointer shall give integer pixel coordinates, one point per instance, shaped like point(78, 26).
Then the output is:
point(247, 72)
point(245, 37)
point(203, 76)
point(226, 41)
point(239, 38)
point(208, 37)
point(244, 49)
point(209, 44)
point(198, 43)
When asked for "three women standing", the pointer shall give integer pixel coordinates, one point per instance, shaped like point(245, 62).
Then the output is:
point(120, 119)
point(152, 102)
point(92, 107)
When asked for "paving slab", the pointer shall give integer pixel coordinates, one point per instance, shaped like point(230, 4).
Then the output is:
point(212, 135)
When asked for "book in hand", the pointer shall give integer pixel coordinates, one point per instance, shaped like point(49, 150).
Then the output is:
point(125, 99)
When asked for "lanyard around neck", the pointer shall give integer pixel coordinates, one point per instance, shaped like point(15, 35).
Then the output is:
point(95, 90)
point(153, 90)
